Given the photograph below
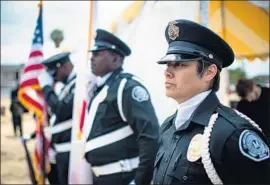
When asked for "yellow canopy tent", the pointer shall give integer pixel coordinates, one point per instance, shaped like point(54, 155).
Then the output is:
point(244, 25)
point(127, 16)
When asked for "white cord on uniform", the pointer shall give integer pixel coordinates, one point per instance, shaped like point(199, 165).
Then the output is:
point(205, 154)
point(248, 119)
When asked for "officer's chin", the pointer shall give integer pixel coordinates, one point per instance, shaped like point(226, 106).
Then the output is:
point(55, 79)
point(95, 72)
point(169, 94)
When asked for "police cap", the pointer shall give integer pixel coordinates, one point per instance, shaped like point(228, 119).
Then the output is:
point(190, 41)
point(105, 40)
point(56, 60)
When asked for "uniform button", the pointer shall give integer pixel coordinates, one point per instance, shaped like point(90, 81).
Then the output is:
point(175, 138)
point(184, 178)
point(166, 159)
point(158, 154)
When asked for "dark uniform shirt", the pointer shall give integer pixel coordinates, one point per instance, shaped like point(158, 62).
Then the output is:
point(141, 117)
point(231, 164)
point(61, 109)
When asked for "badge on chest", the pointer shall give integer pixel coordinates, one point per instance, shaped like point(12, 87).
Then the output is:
point(193, 152)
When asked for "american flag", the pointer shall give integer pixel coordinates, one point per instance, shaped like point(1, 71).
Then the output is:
point(31, 96)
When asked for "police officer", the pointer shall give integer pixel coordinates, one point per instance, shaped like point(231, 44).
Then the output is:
point(60, 69)
point(122, 125)
point(205, 142)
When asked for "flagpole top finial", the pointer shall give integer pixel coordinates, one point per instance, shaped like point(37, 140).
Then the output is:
point(40, 4)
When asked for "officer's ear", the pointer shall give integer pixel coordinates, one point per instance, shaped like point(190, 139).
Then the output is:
point(116, 61)
point(210, 72)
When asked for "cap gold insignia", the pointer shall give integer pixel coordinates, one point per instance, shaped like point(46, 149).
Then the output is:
point(173, 30)
point(193, 153)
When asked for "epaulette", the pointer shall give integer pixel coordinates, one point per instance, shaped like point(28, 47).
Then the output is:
point(232, 117)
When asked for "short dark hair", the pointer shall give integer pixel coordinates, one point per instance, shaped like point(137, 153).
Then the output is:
point(244, 86)
point(202, 65)
point(112, 52)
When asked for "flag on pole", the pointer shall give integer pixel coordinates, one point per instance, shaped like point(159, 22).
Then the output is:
point(31, 96)
point(79, 168)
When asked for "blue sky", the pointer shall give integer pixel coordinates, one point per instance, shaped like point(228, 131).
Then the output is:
point(18, 19)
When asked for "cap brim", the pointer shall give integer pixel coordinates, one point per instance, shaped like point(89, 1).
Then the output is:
point(98, 48)
point(178, 58)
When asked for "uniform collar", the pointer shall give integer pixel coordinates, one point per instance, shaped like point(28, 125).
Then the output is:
point(71, 75)
point(205, 110)
point(102, 80)
point(185, 109)
point(200, 116)
point(113, 75)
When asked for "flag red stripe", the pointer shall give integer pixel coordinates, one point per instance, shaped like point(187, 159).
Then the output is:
point(82, 115)
point(30, 82)
point(36, 53)
point(33, 67)
point(33, 102)
point(37, 156)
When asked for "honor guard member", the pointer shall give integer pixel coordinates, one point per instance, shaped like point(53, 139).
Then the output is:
point(60, 69)
point(205, 142)
point(122, 124)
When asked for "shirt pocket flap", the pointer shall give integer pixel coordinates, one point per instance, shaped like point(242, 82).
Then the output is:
point(179, 173)
point(158, 157)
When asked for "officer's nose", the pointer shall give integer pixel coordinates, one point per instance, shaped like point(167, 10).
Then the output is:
point(92, 58)
point(168, 73)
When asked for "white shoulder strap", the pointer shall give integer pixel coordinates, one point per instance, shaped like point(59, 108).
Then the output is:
point(120, 95)
point(120, 98)
point(66, 89)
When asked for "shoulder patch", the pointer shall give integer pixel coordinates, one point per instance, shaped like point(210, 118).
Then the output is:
point(139, 94)
point(252, 146)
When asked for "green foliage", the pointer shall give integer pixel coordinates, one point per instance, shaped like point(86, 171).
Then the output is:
point(261, 79)
point(57, 37)
point(235, 74)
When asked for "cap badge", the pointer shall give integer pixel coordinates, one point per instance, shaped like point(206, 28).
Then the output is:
point(173, 30)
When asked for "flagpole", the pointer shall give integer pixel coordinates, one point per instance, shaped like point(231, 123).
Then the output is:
point(79, 168)
point(90, 28)
point(43, 156)
point(34, 104)
point(43, 164)
point(28, 159)
point(29, 163)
